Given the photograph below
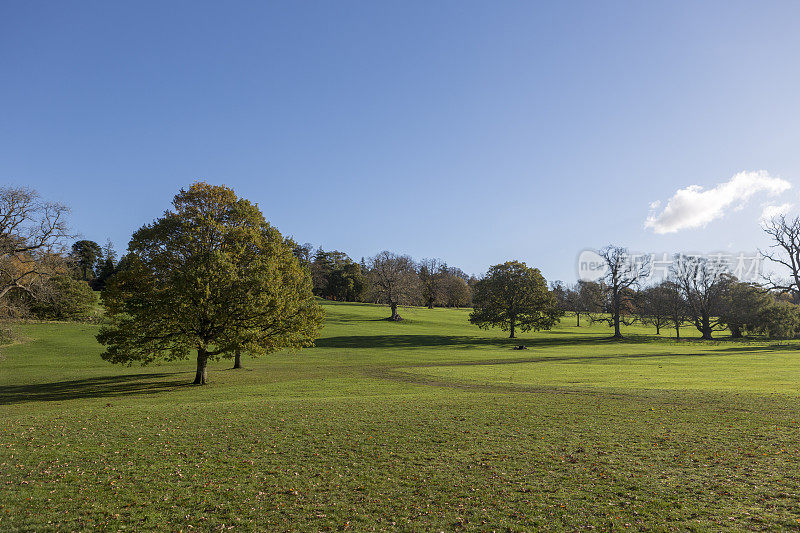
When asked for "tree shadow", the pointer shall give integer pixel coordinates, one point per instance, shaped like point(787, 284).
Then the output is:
point(463, 341)
point(743, 346)
point(578, 359)
point(100, 387)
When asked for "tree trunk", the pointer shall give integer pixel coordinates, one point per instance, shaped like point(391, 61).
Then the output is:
point(395, 316)
point(736, 331)
point(513, 324)
point(658, 328)
point(617, 332)
point(677, 330)
point(578, 316)
point(706, 323)
point(237, 358)
point(201, 378)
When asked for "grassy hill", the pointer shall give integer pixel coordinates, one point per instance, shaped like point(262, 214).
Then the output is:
point(428, 424)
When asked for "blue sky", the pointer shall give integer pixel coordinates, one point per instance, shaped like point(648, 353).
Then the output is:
point(472, 131)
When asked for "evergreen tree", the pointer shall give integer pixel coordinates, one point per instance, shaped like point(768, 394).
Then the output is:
point(85, 254)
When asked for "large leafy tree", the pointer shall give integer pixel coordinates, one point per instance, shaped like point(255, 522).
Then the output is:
point(336, 276)
point(213, 277)
point(346, 282)
point(455, 290)
point(513, 295)
point(741, 305)
point(779, 320)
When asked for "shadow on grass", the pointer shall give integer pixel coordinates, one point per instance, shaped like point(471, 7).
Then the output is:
point(466, 341)
point(101, 387)
point(399, 374)
point(744, 346)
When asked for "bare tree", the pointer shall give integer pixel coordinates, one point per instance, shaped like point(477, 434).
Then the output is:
point(32, 240)
point(587, 299)
point(583, 298)
point(785, 235)
point(623, 274)
point(676, 306)
point(701, 283)
point(393, 280)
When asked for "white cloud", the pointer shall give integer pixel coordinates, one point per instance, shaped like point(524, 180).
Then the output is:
point(693, 207)
point(771, 211)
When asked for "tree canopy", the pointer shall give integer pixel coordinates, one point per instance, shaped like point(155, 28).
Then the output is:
point(432, 277)
point(741, 305)
point(86, 255)
point(211, 276)
point(335, 276)
point(106, 266)
point(513, 295)
point(65, 298)
point(654, 306)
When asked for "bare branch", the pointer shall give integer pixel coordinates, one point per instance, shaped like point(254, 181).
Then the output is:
point(785, 234)
point(32, 237)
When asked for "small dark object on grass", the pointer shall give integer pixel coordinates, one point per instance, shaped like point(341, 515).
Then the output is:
point(520, 347)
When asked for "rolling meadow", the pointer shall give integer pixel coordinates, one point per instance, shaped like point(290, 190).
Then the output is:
point(425, 424)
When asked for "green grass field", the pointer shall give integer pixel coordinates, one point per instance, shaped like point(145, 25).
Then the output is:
point(429, 424)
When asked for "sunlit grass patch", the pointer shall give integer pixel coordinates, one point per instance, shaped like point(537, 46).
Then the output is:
point(429, 424)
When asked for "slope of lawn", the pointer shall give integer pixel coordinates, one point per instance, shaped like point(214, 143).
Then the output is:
point(429, 424)
point(742, 367)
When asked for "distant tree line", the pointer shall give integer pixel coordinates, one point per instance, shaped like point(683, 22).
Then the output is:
point(698, 293)
point(215, 258)
point(386, 278)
